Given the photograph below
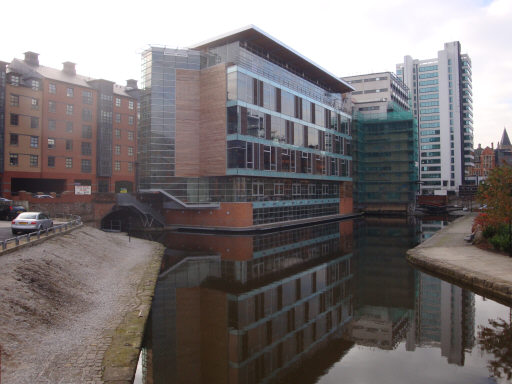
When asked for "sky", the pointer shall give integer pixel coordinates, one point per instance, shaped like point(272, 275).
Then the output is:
point(105, 38)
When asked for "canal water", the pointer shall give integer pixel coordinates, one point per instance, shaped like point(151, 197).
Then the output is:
point(328, 303)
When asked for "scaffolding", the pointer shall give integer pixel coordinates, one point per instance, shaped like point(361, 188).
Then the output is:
point(385, 166)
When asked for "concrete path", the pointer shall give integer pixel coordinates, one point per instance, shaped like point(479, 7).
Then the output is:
point(449, 256)
point(73, 307)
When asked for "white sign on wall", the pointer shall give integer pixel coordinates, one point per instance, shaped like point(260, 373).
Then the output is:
point(82, 189)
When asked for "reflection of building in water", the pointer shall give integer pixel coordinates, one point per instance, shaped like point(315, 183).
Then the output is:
point(253, 310)
point(385, 283)
point(431, 224)
point(445, 318)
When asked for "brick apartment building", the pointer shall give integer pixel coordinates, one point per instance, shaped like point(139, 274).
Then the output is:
point(63, 130)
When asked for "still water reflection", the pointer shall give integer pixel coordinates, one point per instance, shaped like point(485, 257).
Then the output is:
point(329, 303)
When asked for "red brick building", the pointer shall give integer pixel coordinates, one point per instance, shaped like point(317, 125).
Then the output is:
point(64, 130)
point(484, 162)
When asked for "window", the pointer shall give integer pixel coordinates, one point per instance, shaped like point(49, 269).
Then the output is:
point(130, 120)
point(130, 167)
point(86, 166)
point(34, 141)
point(118, 102)
point(312, 190)
point(15, 101)
point(296, 189)
point(130, 135)
point(69, 162)
point(15, 81)
point(51, 161)
point(15, 119)
point(86, 114)
point(35, 104)
point(52, 106)
point(86, 148)
point(69, 145)
point(13, 139)
point(257, 188)
point(70, 92)
point(117, 165)
point(118, 133)
point(130, 104)
point(118, 117)
point(117, 149)
point(69, 126)
point(52, 88)
point(51, 143)
point(130, 151)
point(87, 97)
point(34, 122)
point(279, 189)
point(86, 131)
point(13, 159)
point(69, 109)
point(52, 125)
point(34, 160)
point(35, 85)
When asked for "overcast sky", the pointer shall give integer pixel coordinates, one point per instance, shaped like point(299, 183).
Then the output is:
point(105, 38)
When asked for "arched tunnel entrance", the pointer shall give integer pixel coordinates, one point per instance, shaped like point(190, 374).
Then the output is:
point(123, 219)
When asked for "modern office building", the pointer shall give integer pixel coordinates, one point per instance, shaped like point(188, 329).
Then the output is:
point(386, 144)
point(242, 130)
point(64, 130)
point(442, 100)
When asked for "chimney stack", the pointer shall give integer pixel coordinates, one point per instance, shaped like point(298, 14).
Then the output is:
point(69, 68)
point(492, 145)
point(131, 84)
point(32, 58)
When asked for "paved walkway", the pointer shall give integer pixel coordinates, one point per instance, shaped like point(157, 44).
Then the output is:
point(448, 255)
point(73, 308)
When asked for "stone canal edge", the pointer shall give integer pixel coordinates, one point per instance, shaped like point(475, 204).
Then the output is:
point(121, 358)
point(448, 256)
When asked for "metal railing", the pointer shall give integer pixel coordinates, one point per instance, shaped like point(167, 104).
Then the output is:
point(72, 221)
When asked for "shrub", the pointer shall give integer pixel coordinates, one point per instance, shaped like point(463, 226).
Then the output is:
point(500, 241)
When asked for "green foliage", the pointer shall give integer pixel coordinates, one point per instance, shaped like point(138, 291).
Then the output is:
point(489, 231)
point(500, 241)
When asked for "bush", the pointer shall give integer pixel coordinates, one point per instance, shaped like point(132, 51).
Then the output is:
point(500, 241)
point(490, 231)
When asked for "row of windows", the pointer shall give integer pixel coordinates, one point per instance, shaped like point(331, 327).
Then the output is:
point(15, 120)
point(429, 82)
point(430, 139)
point(430, 132)
point(431, 146)
point(430, 125)
point(428, 75)
point(429, 118)
point(429, 110)
point(15, 101)
point(15, 81)
point(86, 164)
point(246, 155)
point(429, 96)
point(429, 104)
point(428, 68)
point(429, 89)
point(245, 88)
point(254, 123)
point(87, 96)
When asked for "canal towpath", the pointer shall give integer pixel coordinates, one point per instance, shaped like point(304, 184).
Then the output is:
point(448, 255)
point(73, 308)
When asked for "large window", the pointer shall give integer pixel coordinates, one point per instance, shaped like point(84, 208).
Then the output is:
point(86, 148)
point(34, 160)
point(86, 131)
point(34, 141)
point(13, 159)
point(86, 166)
point(13, 139)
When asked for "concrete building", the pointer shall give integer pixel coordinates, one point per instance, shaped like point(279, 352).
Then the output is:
point(64, 130)
point(442, 100)
point(242, 130)
point(386, 144)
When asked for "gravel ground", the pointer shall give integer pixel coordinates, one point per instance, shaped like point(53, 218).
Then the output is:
point(60, 300)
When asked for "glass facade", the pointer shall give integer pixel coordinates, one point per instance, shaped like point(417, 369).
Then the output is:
point(284, 133)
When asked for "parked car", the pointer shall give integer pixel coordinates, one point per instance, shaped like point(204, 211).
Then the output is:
point(30, 222)
point(9, 211)
point(43, 196)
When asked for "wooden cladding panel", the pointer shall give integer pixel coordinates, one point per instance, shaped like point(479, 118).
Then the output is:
point(212, 135)
point(187, 123)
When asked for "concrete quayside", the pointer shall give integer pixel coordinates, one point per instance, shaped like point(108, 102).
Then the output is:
point(449, 256)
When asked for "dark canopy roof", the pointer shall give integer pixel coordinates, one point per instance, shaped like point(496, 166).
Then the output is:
point(299, 63)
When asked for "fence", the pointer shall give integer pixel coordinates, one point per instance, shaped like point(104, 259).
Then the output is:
point(72, 221)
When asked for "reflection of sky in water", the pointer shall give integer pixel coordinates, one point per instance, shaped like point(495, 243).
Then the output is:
point(421, 323)
point(363, 365)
